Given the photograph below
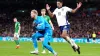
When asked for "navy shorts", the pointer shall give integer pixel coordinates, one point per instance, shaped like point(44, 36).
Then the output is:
point(66, 27)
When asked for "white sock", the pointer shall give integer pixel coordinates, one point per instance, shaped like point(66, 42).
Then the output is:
point(74, 44)
point(69, 41)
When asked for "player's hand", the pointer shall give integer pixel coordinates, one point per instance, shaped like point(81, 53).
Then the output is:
point(79, 5)
point(48, 7)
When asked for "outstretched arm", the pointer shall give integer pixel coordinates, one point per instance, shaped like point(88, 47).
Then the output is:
point(49, 12)
point(78, 6)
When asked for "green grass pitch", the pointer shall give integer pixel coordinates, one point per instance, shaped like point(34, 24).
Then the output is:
point(63, 49)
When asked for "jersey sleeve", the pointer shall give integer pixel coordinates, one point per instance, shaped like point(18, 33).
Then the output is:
point(49, 18)
point(68, 9)
point(18, 24)
point(55, 11)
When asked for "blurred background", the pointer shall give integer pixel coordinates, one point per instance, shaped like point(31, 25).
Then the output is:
point(83, 23)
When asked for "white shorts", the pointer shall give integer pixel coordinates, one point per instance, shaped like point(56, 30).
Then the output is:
point(16, 35)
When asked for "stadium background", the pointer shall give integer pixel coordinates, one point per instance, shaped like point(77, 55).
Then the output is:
point(84, 22)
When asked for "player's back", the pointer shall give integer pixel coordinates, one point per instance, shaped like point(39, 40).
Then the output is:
point(42, 20)
point(45, 24)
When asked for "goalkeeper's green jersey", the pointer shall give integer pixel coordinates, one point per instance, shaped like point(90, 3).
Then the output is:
point(17, 25)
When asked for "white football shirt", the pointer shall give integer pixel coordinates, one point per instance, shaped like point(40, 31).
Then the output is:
point(61, 15)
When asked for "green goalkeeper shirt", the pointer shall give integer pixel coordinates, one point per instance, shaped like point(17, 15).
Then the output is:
point(17, 25)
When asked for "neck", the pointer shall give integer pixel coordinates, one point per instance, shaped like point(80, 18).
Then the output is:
point(43, 15)
point(35, 17)
point(59, 7)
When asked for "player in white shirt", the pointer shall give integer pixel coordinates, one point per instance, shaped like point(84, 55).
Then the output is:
point(63, 23)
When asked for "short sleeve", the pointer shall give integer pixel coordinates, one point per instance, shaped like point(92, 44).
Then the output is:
point(55, 11)
point(18, 24)
point(48, 18)
point(68, 9)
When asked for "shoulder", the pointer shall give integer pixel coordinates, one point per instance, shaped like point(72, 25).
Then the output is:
point(56, 9)
point(40, 18)
point(18, 22)
point(47, 16)
point(65, 7)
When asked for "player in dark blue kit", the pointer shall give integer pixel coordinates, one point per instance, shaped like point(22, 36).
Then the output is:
point(43, 29)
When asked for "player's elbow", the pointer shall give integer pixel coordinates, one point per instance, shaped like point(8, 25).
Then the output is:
point(51, 15)
point(73, 11)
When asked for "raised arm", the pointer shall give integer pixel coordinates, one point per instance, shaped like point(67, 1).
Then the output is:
point(49, 12)
point(78, 6)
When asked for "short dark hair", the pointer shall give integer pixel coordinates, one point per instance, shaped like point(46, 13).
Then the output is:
point(60, 1)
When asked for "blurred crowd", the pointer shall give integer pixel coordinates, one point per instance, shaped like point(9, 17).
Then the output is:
point(80, 25)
